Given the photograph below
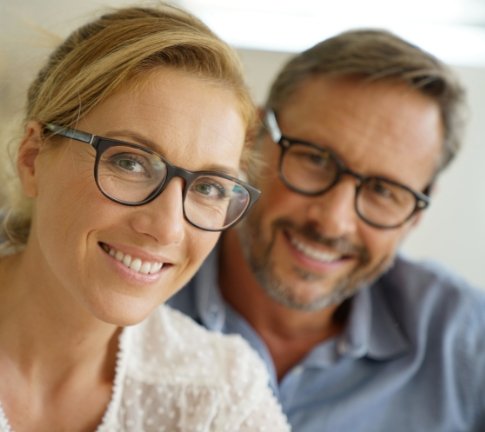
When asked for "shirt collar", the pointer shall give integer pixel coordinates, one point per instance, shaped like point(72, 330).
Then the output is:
point(208, 299)
point(373, 329)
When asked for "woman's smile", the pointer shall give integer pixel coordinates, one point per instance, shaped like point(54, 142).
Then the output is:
point(134, 263)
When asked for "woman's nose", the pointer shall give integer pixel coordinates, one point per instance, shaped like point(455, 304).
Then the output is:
point(163, 218)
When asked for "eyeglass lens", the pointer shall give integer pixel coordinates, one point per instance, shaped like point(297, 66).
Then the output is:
point(132, 175)
point(311, 170)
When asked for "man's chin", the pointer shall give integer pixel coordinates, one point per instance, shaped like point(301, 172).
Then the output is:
point(309, 302)
point(310, 292)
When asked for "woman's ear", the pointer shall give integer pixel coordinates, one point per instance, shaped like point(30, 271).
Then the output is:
point(27, 157)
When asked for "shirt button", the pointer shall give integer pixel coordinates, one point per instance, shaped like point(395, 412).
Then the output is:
point(298, 370)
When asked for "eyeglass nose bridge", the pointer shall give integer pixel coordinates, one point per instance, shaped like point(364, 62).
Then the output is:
point(342, 171)
point(172, 172)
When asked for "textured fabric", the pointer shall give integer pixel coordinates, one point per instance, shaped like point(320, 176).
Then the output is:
point(173, 375)
point(411, 359)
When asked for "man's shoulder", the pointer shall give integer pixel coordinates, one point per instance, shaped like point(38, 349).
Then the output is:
point(426, 294)
point(427, 277)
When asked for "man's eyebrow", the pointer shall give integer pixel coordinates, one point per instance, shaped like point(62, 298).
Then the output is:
point(131, 137)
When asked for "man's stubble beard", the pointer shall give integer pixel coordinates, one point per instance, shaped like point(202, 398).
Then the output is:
point(258, 254)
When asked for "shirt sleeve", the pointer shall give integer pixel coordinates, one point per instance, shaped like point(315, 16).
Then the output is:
point(470, 366)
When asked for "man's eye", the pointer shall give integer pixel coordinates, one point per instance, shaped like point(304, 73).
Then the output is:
point(388, 192)
point(318, 159)
point(312, 158)
point(381, 189)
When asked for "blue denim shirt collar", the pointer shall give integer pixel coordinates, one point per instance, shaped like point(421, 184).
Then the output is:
point(373, 330)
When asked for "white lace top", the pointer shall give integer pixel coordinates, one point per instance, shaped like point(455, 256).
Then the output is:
point(173, 375)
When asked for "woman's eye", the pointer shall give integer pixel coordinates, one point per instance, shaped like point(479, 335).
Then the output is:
point(129, 163)
point(210, 190)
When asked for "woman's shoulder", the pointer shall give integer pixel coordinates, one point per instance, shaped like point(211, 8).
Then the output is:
point(182, 367)
point(169, 341)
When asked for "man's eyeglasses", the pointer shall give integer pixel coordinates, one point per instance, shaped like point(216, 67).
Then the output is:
point(312, 170)
point(133, 175)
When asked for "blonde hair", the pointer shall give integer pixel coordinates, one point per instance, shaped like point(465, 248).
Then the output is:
point(118, 48)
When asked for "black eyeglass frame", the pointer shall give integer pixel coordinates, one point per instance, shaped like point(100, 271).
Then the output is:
point(101, 144)
point(422, 199)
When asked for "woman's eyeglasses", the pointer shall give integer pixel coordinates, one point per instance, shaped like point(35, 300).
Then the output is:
point(133, 175)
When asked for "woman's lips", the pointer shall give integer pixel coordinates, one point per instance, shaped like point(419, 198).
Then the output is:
point(134, 263)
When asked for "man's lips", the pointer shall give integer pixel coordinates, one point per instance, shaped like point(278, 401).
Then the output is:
point(313, 252)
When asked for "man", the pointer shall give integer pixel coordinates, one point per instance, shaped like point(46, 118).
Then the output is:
point(355, 337)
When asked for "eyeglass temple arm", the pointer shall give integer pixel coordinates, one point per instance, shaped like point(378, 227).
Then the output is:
point(425, 200)
point(428, 189)
point(272, 126)
point(71, 133)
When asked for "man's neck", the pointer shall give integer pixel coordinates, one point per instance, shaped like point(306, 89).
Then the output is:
point(289, 334)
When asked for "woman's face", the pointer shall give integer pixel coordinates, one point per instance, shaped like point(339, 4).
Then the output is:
point(98, 251)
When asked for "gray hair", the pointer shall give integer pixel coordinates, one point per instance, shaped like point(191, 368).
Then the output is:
point(376, 55)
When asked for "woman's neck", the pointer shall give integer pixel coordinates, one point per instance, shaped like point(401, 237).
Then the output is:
point(45, 334)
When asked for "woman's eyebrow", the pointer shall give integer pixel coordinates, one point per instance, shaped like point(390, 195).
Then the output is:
point(129, 136)
point(222, 169)
point(132, 137)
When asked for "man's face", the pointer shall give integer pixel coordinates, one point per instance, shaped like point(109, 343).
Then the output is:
point(312, 252)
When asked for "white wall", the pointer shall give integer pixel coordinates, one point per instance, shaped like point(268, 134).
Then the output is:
point(453, 229)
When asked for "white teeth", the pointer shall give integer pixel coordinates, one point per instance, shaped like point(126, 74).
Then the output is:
point(156, 267)
point(145, 268)
point(314, 253)
point(135, 264)
point(126, 260)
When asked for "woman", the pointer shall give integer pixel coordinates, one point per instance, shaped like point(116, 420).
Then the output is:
point(128, 172)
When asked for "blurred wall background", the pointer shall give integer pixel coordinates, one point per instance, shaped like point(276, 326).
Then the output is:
point(452, 231)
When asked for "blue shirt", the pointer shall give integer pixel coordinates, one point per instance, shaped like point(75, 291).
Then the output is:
point(411, 358)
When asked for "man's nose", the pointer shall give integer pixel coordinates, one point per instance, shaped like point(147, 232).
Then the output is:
point(335, 211)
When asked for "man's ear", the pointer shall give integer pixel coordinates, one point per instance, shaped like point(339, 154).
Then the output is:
point(27, 157)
